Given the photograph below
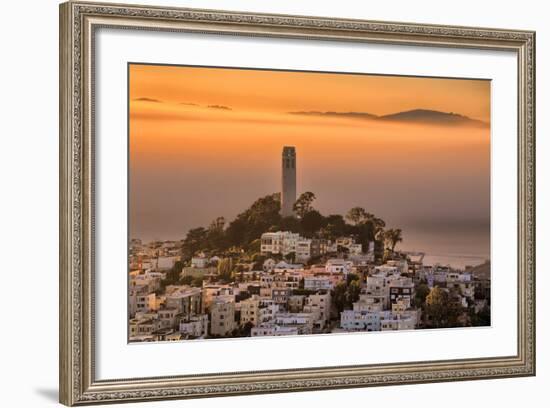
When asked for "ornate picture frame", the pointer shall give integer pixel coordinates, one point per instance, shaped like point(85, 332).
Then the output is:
point(78, 24)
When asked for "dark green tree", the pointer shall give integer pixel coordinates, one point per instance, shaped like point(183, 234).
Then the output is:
point(352, 277)
point(303, 204)
point(291, 257)
point(484, 316)
point(254, 246)
point(291, 224)
point(436, 309)
point(353, 292)
point(172, 276)
point(215, 236)
point(197, 281)
point(357, 215)
point(364, 234)
point(312, 222)
point(252, 223)
point(186, 280)
point(346, 293)
point(339, 296)
point(441, 309)
point(225, 269)
point(236, 231)
point(392, 237)
point(194, 241)
point(335, 227)
point(422, 290)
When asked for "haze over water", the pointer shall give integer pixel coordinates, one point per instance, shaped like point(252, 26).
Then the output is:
point(207, 143)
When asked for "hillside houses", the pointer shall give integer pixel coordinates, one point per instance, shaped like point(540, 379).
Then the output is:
point(294, 286)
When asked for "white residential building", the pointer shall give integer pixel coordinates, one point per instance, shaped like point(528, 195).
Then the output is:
point(318, 305)
point(212, 291)
point(266, 280)
point(303, 249)
point(317, 283)
point(280, 296)
point(401, 265)
point(289, 280)
point(250, 310)
point(377, 289)
point(349, 244)
point(267, 310)
point(360, 320)
point(269, 265)
point(140, 327)
point(196, 326)
point(140, 300)
point(270, 329)
point(148, 279)
point(280, 242)
point(302, 321)
point(379, 320)
point(222, 316)
point(187, 300)
point(285, 267)
point(336, 265)
point(168, 318)
point(199, 262)
point(386, 270)
point(345, 242)
point(365, 316)
point(284, 243)
point(155, 274)
point(296, 303)
point(402, 321)
point(363, 306)
point(164, 263)
point(463, 283)
point(402, 290)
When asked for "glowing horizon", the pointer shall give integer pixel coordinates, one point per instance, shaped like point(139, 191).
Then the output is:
point(206, 142)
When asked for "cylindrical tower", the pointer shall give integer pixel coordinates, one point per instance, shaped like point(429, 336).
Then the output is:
point(288, 189)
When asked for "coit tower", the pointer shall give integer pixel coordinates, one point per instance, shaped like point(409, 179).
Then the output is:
point(288, 190)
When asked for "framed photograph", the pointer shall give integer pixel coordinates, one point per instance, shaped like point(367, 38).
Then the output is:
point(258, 203)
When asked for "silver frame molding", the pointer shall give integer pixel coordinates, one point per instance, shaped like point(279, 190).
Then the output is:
point(78, 22)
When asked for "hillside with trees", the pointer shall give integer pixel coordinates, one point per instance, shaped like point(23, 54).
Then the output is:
point(242, 235)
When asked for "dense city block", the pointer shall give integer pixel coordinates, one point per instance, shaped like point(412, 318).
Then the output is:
point(284, 283)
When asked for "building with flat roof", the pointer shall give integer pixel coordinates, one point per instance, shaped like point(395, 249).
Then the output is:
point(222, 316)
point(187, 300)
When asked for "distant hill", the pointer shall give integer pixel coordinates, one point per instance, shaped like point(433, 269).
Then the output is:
point(434, 117)
point(424, 116)
point(482, 271)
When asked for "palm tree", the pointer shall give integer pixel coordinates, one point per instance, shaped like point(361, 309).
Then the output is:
point(392, 237)
point(379, 225)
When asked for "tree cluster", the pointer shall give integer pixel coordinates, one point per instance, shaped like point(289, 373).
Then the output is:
point(346, 293)
point(243, 233)
point(441, 309)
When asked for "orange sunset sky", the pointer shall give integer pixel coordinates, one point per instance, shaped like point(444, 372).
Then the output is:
point(206, 142)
